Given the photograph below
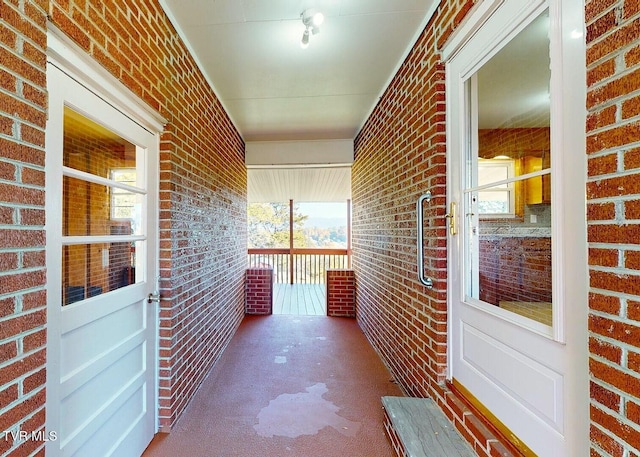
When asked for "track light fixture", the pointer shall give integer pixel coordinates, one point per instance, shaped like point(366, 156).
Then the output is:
point(312, 21)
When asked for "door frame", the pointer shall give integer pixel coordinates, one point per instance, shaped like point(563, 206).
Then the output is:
point(570, 169)
point(73, 61)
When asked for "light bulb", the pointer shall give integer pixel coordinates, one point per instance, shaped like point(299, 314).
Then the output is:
point(318, 19)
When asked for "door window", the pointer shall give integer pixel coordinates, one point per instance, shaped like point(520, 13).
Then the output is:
point(507, 193)
point(103, 198)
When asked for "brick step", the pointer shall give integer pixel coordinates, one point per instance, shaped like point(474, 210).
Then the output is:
point(422, 430)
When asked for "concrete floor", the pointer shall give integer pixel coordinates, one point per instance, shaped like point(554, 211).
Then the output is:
point(299, 386)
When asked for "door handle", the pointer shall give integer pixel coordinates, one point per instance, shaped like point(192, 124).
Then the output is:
point(453, 220)
point(428, 282)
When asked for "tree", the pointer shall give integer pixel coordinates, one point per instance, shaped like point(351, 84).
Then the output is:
point(268, 225)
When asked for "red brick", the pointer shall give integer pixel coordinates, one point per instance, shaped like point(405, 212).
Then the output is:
point(609, 44)
point(615, 377)
point(595, 8)
point(629, 284)
point(606, 442)
point(616, 427)
point(601, 26)
point(603, 71)
point(617, 234)
point(633, 411)
point(633, 361)
point(605, 349)
point(619, 331)
point(22, 409)
point(34, 340)
point(613, 138)
point(632, 159)
point(8, 350)
point(632, 209)
point(631, 8)
point(603, 257)
point(605, 303)
point(601, 211)
point(631, 107)
point(34, 381)
point(605, 397)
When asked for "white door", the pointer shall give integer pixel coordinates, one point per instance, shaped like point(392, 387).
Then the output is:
point(102, 266)
point(513, 351)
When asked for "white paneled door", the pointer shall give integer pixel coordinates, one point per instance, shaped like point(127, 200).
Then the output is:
point(517, 270)
point(102, 273)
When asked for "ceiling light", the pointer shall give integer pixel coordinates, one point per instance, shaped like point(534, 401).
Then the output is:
point(304, 43)
point(312, 21)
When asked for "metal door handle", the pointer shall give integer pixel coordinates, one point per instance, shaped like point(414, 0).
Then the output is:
point(453, 220)
point(424, 280)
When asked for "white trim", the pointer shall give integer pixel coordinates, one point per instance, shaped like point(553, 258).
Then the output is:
point(72, 60)
point(412, 42)
point(83, 175)
point(66, 57)
point(570, 287)
point(474, 20)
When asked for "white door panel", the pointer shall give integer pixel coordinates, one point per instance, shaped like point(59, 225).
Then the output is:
point(517, 376)
point(102, 263)
point(508, 297)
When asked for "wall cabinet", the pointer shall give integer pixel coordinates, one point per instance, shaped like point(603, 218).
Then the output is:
point(537, 189)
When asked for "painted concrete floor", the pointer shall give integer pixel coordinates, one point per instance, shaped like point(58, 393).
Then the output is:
point(299, 386)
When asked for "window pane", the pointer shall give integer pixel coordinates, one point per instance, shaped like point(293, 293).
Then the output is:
point(514, 261)
point(91, 148)
point(509, 261)
point(493, 202)
point(93, 269)
point(99, 210)
point(94, 209)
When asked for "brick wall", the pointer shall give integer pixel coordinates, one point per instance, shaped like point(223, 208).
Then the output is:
point(259, 291)
point(203, 197)
point(613, 192)
point(515, 269)
point(400, 153)
point(341, 293)
point(23, 105)
point(202, 186)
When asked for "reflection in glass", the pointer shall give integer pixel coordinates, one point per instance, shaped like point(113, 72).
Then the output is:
point(508, 199)
point(110, 207)
point(93, 269)
point(91, 148)
point(93, 209)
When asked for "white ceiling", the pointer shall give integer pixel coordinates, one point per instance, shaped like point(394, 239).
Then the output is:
point(327, 184)
point(275, 90)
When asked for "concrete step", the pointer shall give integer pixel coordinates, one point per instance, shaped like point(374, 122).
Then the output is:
point(423, 430)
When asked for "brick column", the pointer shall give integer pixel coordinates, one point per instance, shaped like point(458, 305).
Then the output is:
point(259, 291)
point(341, 293)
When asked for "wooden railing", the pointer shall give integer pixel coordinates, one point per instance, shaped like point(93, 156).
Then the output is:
point(300, 265)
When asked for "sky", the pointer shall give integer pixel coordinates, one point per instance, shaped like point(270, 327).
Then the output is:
point(328, 210)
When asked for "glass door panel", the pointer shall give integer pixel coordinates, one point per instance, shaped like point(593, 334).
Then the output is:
point(507, 193)
point(103, 199)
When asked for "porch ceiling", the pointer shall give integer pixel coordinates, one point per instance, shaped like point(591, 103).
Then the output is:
point(308, 184)
point(275, 90)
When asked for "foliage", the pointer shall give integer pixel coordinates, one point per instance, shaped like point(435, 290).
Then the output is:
point(268, 225)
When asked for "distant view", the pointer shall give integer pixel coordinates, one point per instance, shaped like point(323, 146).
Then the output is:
point(315, 225)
